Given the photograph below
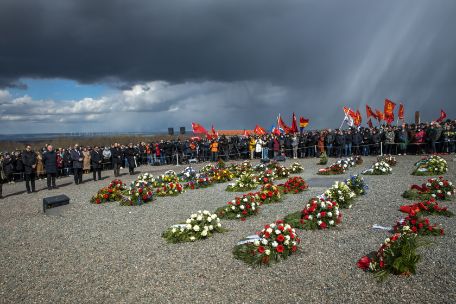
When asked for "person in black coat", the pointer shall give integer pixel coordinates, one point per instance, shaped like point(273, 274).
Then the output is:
point(77, 157)
point(116, 156)
point(50, 165)
point(130, 155)
point(96, 157)
point(29, 161)
point(339, 143)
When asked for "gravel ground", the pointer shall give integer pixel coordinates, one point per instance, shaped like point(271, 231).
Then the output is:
point(84, 253)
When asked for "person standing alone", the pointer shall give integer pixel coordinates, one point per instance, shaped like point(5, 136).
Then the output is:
point(50, 165)
point(96, 157)
point(29, 160)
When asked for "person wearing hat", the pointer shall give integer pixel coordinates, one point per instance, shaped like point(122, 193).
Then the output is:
point(29, 161)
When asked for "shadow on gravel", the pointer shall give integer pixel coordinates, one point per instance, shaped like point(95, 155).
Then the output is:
point(14, 194)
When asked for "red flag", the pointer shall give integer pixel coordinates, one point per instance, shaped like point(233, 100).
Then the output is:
point(303, 122)
point(400, 113)
point(282, 125)
point(370, 113)
point(214, 134)
point(294, 124)
point(198, 129)
point(259, 130)
point(369, 123)
point(389, 110)
point(358, 118)
point(276, 131)
point(380, 115)
point(442, 116)
point(246, 133)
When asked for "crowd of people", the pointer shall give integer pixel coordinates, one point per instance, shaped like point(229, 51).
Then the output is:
point(53, 163)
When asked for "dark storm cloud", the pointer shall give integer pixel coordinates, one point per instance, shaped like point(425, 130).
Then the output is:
point(322, 53)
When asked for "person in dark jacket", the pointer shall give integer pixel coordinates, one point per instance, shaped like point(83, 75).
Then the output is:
point(8, 168)
point(29, 161)
point(50, 165)
point(116, 155)
point(96, 157)
point(339, 143)
point(2, 175)
point(130, 155)
point(77, 158)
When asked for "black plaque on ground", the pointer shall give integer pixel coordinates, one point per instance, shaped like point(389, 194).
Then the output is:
point(55, 201)
point(323, 181)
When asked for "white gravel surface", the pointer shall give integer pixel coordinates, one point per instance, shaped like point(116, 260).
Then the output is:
point(85, 253)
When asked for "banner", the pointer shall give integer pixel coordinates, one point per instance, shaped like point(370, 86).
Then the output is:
point(294, 124)
point(198, 129)
point(389, 111)
point(282, 125)
point(400, 114)
point(442, 116)
point(303, 122)
point(370, 113)
point(259, 130)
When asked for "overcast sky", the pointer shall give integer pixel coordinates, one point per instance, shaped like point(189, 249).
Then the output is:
point(142, 65)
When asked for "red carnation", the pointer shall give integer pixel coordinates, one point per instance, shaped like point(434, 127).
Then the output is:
point(267, 235)
point(263, 196)
point(323, 214)
point(279, 248)
point(364, 263)
point(105, 196)
point(280, 238)
point(381, 264)
point(294, 248)
point(323, 225)
point(261, 249)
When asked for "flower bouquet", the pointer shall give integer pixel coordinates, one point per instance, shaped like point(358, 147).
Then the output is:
point(379, 168)
point(334, 169)
point(418, 225)
point(111, 193)
point(165, 179)
point(432, 165)
point(187, 175)
point(239, 208)
point(323, 159)
point(170, 189)
point(146, 177)
point(221, 164)
point(296, 168)
point(265, 177)
point(242, 168)
point(341, 194)
point(319, 213)
point(357, 184)
point(438, 188)
point(245, 182)
point(274, 243)
point(208, 169)
point(222, 176)
point(199, 181)
point(397, 255)
point(200, 225)
point(389, 159)
point(268, 194)
point(358, 160)
point(140, 192)
point(280, 172)
point(430, 207)
point(260, 168)
point(294, 185)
